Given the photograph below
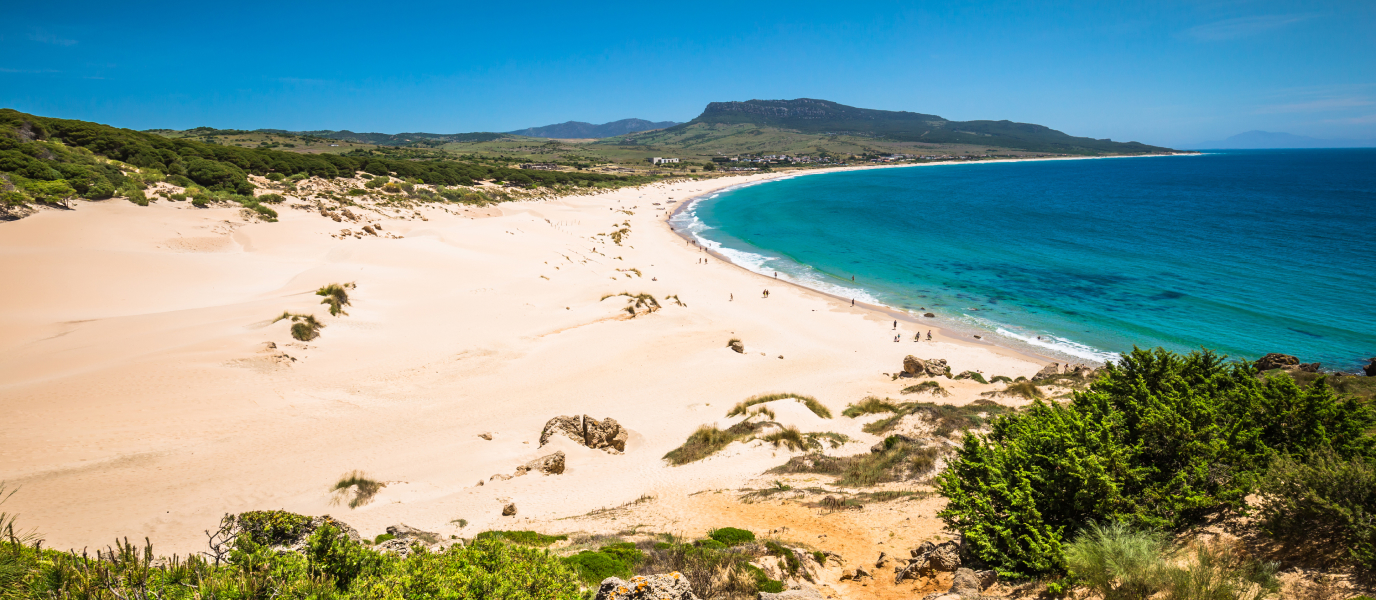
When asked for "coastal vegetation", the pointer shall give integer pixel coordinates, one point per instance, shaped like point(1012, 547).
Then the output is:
point(811, 403)
point(336, 297)
point(1162, 442)
point(303, 327)
point(356, 489)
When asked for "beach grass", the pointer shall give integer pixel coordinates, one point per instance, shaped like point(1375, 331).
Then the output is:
point(930, 387)
point(336, 297)
point(704, 442)
point(870, 406)
point(523, 538)
point(946, 418)
point(811, 403)
point(304, 327)
point(1026, 389)
point(359, 486)
point(899, 460)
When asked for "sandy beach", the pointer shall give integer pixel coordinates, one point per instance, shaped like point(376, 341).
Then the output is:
point(147, 390)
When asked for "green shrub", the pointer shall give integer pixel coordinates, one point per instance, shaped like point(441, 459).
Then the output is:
point(271, 198)
point(731, 536)
point(706, 441)
point(382, 537)
point(336, 297)
point(1323, 501)
point(200, 202)
point(271, 527)
point(1159, 441)
point(710, 544)
point(523, 538)
point(593, 567)
point(275, 176)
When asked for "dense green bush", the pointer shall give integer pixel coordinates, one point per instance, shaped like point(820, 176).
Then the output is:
point(613, 560)
point(1158, 442)
point(331, 567)
point(1324, 501)
point(731, 536)
point(524, 538)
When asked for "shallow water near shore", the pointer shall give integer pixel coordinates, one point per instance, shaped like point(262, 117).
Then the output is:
point(1243, 252)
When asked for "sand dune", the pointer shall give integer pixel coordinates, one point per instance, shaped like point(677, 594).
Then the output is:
point(141, 399)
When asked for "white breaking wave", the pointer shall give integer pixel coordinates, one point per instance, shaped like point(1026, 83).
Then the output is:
point(1061, 345)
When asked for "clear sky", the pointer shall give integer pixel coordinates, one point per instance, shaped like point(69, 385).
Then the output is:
point(1160, 72)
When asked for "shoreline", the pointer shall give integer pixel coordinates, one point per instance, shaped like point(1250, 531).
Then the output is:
point(895, 313)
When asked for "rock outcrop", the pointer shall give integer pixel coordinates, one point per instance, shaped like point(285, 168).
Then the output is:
point(967, 584)
point(1276, 361)
point(549, 465)
point(917, 367)
point(606, 434)
point(509, 510)
point(929, 557)
point(669, 586)
point(1048, 372)
point(1370, 368)
point(737, 346)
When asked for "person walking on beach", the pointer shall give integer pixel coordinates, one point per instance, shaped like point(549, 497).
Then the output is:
point(895, 324)
point(917, 337)
point(852, 302)
point(929, 335)
point(733, 298)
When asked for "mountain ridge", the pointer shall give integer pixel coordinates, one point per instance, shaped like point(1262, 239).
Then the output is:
point(824, 117)
point(583, 130)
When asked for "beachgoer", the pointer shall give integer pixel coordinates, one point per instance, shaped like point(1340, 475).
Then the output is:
point(852, 278)
point(917, 337)
point(895, 324)
point(733, 298)
point(776, 274)
point(929, 335)
point(852, 301)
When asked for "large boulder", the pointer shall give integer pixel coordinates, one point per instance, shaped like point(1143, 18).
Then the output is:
point(1276, 361)
point(549, 465)
point(1370, 368)
point(669, 586)
point(1048, 372)
point(931, 367)
point(605, 434)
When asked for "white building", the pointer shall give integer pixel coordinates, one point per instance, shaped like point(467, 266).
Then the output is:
point(657, 160)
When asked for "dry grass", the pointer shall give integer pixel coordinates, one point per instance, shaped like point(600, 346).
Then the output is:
point(947, 418)
point(929, 387)
point(357, 484)
point(336, 297)
point(708, 440)
point(898, 461)
point(870, 406)
point(304, 327)
point(811, 403)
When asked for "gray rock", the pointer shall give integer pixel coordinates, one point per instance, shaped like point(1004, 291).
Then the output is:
point(669, 586)
point(549, 465)
point(509, 510)
point(1309, 367)
point(880, 562)
point(737, 346)
point(398, 546)
point(406, 532)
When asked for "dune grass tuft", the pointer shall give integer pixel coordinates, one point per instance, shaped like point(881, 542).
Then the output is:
point(947, 418)
point(357, 484)
point(304, 327)
point(898, 461)
point(704, 442)
point(930, 387)
point(811, 403)
point(1026, 389)
point(636, 303)
point(870, 406)
point(523, 538)
point(336, 297)
point(789, 437)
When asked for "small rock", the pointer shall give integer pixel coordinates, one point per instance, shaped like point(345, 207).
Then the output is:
point(847, 575)
point(737, 346)
point(499, 477)
point(509, 510)
point(929, 315)
point(486, 436)
point(549, 465)
point(1309, 367)
point(669, 586)
point(861, 573)
point(883, 560)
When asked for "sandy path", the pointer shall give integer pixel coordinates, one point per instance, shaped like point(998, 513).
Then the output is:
point(139, 400)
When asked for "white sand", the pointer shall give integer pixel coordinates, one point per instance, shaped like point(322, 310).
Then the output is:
point(138, 400)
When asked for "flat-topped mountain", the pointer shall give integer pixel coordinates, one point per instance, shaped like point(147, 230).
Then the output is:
point(822, 117)
point(581, 130)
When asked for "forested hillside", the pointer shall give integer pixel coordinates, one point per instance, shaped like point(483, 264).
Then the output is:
point(52, 160)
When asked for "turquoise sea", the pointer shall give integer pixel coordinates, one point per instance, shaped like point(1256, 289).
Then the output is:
point(1244, 252)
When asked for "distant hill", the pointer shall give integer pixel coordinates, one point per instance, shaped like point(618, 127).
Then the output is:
point(400, 139)
point(581, 130)
point(822, 117)
point(1258, 140)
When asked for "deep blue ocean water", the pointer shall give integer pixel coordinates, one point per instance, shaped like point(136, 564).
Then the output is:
point(1243, 252)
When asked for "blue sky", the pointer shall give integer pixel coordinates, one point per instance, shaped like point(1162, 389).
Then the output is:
point(1160, 72)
